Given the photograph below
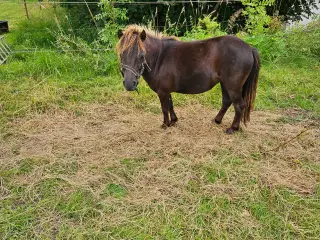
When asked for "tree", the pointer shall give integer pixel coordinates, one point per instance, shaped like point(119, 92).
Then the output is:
point(293, 10)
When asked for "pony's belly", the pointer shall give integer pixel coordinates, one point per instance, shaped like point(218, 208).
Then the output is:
point(198, 83)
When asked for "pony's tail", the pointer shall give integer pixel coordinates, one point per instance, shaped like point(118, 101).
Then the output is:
point(250, 86)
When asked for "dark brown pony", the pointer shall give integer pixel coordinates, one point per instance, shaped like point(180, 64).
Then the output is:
point(169, 65)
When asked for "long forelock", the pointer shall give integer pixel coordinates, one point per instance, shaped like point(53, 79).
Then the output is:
point(128, 41)
point(131, 36)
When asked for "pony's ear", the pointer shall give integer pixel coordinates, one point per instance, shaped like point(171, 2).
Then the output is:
point(120, 33)
point(143, 35)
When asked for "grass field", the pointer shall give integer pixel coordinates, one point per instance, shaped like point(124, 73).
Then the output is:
point(80, 158)
point(14, 11)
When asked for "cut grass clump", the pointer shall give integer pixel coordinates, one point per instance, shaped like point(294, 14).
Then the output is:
point(63, 167)
point(50, 188)
point(115, 190)
point(22, 220)
point(77, 205)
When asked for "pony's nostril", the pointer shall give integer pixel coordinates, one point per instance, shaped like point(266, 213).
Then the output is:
point(135, 83)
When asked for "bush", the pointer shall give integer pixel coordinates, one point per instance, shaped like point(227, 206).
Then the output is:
point(206, 28)
point(257, 18)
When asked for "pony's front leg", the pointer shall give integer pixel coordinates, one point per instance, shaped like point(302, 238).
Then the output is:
point(164, 100)
point(173, 116)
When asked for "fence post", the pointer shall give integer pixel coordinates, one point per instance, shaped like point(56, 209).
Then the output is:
point(25, 8)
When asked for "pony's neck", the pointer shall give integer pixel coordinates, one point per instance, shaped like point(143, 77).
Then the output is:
point(153, 48)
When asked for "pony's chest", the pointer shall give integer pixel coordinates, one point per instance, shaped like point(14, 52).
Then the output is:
point(152, 82)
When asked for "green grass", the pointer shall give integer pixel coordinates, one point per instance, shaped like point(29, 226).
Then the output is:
point(12, 12)
point(35, 32)
point(289, 87)
point(58, 80)
point(56, 207)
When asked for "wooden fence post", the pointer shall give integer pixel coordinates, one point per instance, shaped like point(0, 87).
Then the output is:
point(25, 8)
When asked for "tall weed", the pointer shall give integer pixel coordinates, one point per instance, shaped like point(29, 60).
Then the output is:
point(304, 41)
point(257, 18)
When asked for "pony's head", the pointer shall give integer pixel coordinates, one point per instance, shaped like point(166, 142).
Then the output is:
point(131, 51)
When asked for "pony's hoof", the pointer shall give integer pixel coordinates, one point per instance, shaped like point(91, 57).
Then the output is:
point(217, 121)
point(230, 131)
point(164, 126)
point(173, 122)
point(174, 119)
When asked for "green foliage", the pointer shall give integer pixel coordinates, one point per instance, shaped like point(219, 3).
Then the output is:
point(36, 32)
point(113, 18)
point(257, 18)
point(80, 17)
point(207, 27)
point(271, 47)
point(171, 17)
point(293, 10)
point(102, 60)
point(304, 41)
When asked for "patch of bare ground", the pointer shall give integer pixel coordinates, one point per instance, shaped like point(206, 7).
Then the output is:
point(104, 144)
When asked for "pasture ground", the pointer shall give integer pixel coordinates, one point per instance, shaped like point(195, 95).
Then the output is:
point(110, 171)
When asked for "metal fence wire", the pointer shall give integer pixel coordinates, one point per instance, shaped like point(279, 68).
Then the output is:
point(127, 3)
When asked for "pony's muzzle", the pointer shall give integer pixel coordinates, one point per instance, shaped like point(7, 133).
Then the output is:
point(130, 85)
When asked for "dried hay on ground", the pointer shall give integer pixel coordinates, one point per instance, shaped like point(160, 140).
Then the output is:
point(112, 143)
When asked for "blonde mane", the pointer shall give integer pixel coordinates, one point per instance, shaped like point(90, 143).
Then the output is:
point(131, 36)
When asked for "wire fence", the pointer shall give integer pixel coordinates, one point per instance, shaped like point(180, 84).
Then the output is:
point(119, 3)
point(35, 30)
point(35, 50)
point(126, 3)
point(101, 28)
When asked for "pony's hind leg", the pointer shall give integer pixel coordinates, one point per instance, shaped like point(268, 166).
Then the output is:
point(226, 102)
point(173, 116)
point(239, 105)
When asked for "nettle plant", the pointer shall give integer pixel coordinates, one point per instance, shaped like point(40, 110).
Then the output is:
point(257, 18)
